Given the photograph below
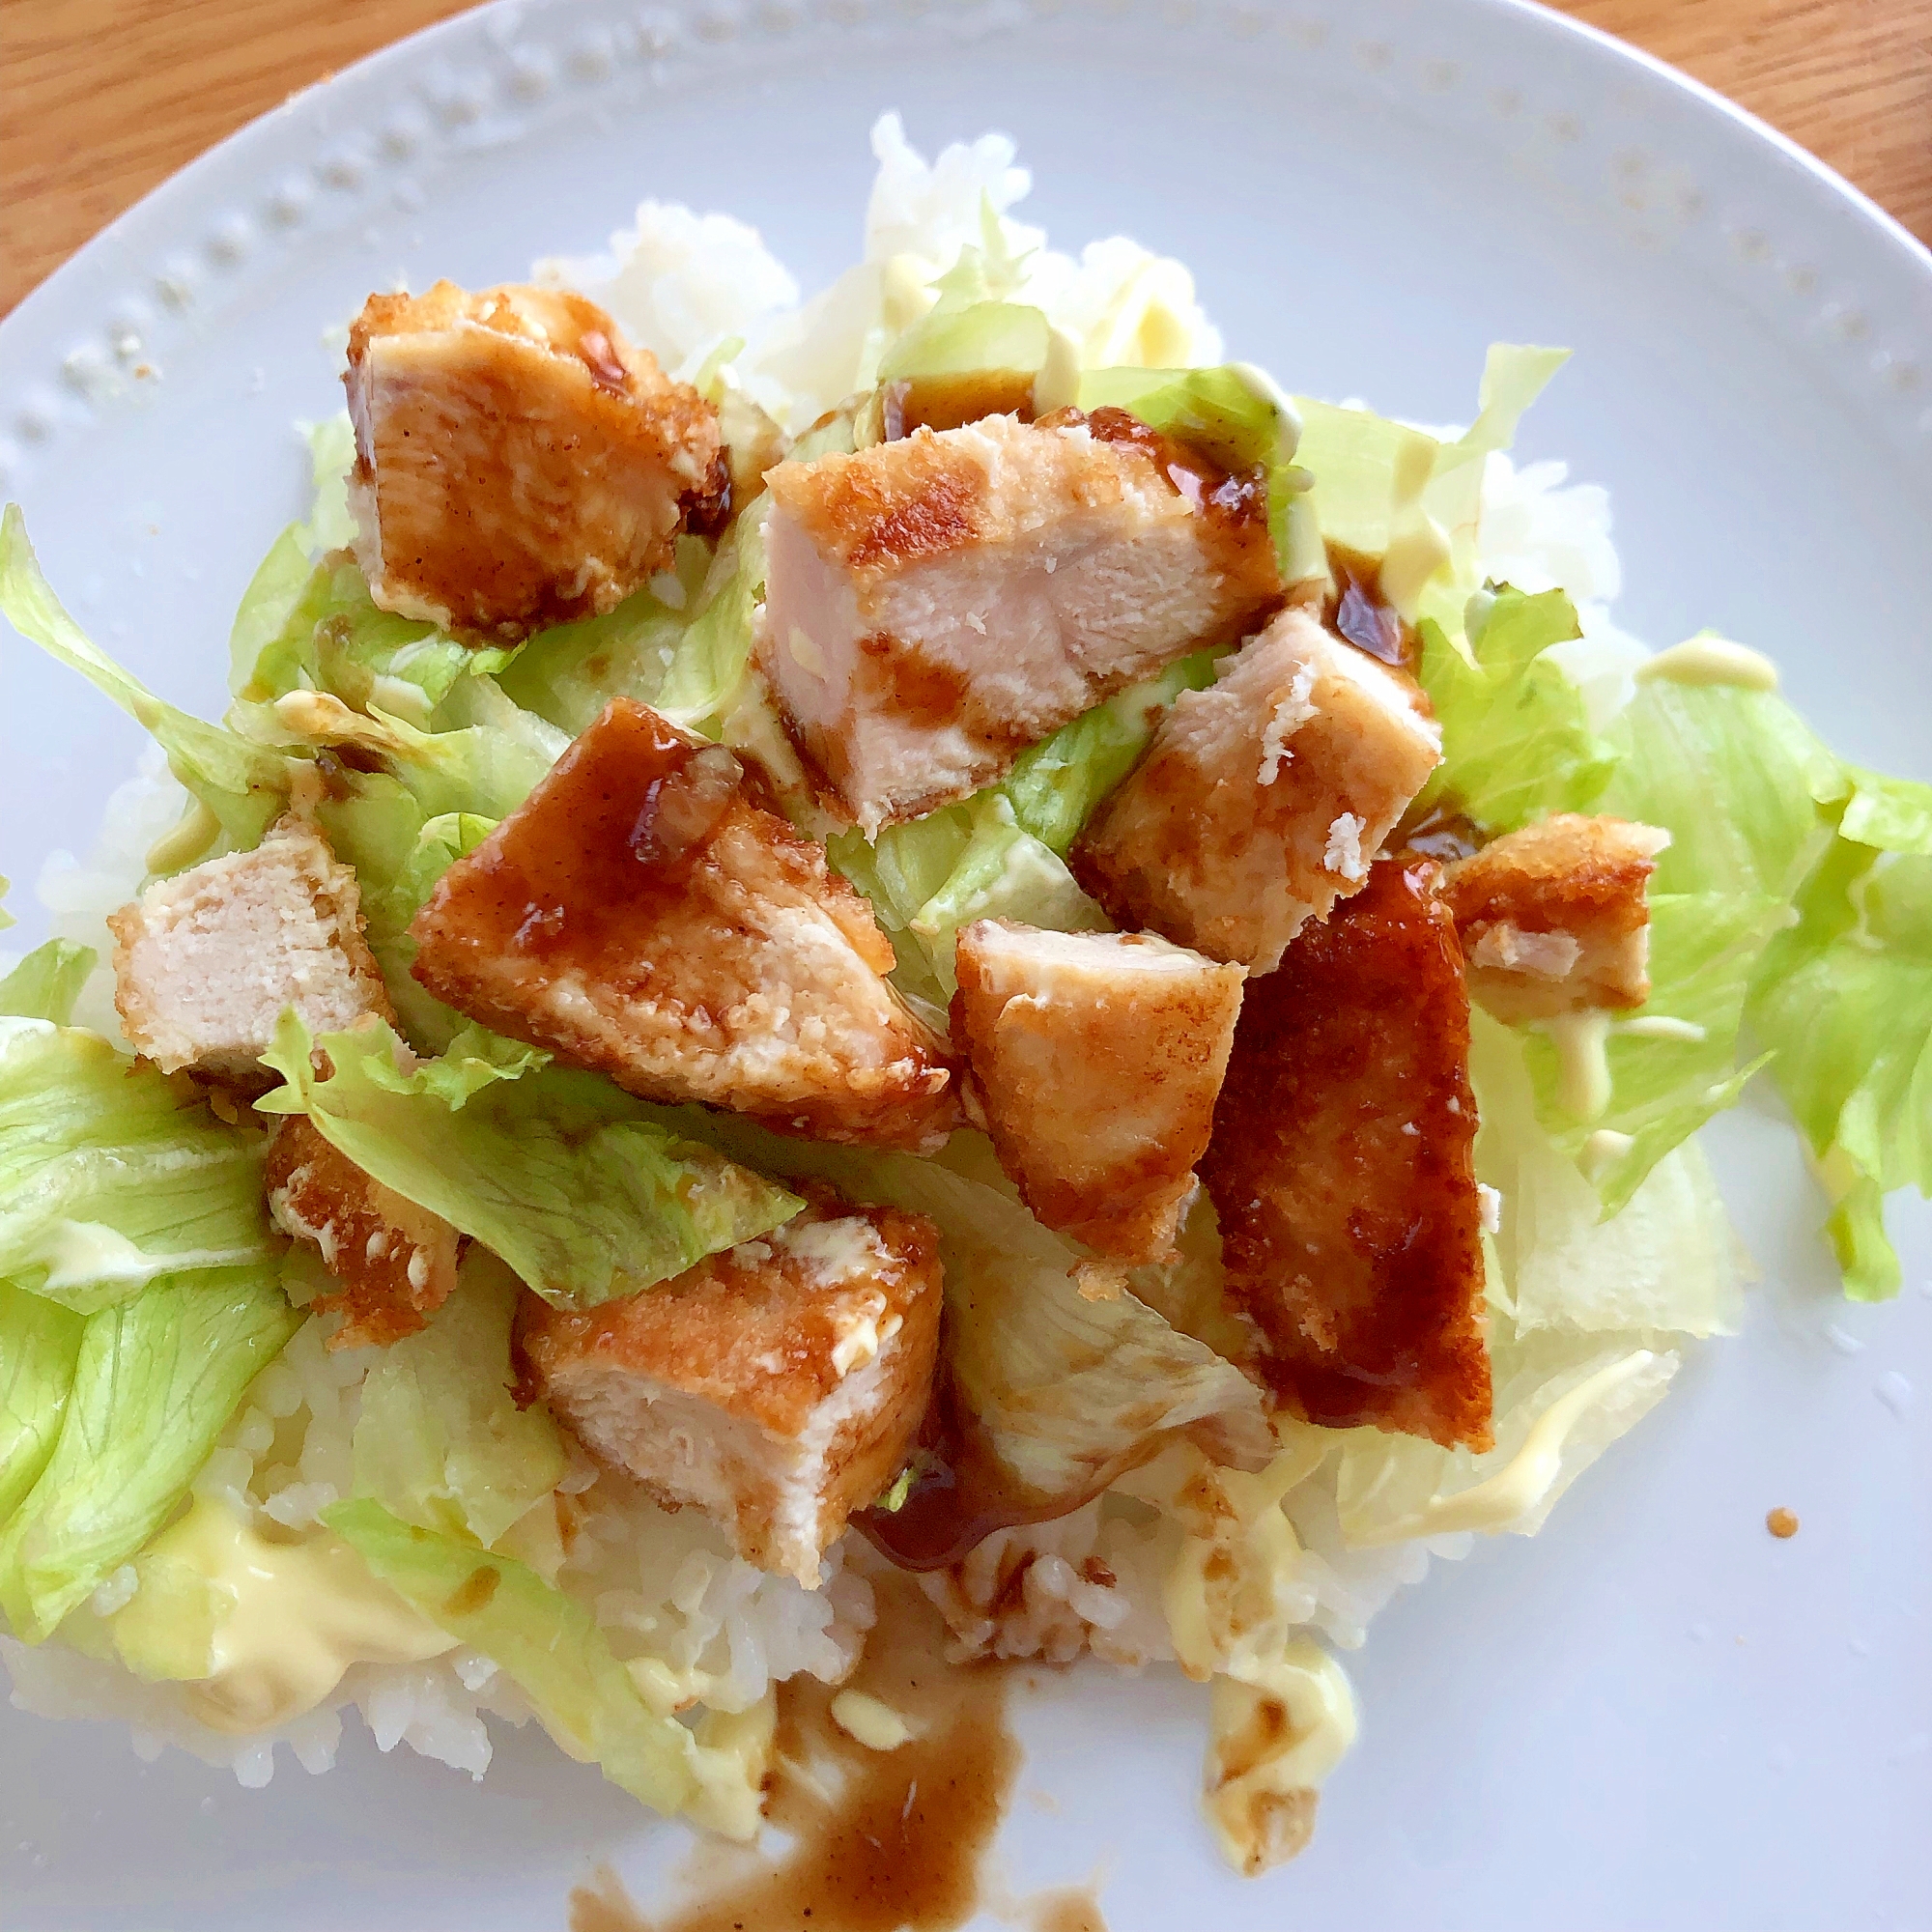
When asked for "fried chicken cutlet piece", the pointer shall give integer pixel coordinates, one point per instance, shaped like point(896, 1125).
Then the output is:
point(518, 463)
point(396, 1262)
point(1263, 800)
point(937, 604)
point(777, 1386)
point(205, 962)
point(643, 915)
point(1097, 1057)
point(1554, 918)
point(1342, 1169)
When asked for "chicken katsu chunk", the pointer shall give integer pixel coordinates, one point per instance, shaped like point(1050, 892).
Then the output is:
point(396, 1262)
point(1097, 1057)
point(937, 604)
point(1554, 918)
point(1342, 1170)
point(518, 463)
point(777, 1386)
point(205, 962)
point(644, 915)
point(1263, 798)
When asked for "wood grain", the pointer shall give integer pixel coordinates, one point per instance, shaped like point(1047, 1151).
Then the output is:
point(103, 98)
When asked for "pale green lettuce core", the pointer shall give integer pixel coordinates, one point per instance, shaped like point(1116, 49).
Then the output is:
point(572, 1181)
point(112, 1174)
point(439, 1440)
point(155, 1380)
point(245, 786)
point(549, 1645)
point(47, 982)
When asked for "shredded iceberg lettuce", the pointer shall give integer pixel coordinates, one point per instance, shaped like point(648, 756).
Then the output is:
point(440, 1441)
point(244, 785)
point(574, 1183)
point(39, 1346)
point(112, 1174)
point(45, 985)
point(155, 1380)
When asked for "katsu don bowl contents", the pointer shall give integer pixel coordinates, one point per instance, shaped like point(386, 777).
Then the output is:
point(934, 932)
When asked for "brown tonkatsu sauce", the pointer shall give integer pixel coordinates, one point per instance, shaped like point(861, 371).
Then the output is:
point(1234, 496)
point(951, 402)
point(643, 801)
point(880, 1840)
point(1357, 610)
point(1441, 832)
point(961, 1492)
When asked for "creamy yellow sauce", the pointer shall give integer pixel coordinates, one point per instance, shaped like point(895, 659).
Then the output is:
point(1275, 1734)
point(1527, 1478)
point(1583, 1066)
point(1711, 660)
point(292, 1618)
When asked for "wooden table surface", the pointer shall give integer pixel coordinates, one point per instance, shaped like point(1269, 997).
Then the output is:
point(99, 99)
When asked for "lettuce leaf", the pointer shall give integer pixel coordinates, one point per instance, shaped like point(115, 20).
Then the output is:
point(112, 1174)
point(1844, 999)
point(573, 1182)
point(333, 638)
point(929, 876)
point(549, 1645)
point(439, 1441)
point(39, 1346)
point(48, 982)
point(245, 786)
point(1516, 744)
point(154, 1381)
point(331, 456)
point(1665, 1260)
point(1054, 787)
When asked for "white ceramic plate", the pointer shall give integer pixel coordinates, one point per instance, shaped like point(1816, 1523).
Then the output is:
point(1653, 1715)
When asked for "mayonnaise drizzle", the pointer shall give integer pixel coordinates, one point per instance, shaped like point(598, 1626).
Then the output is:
point(1711, 660)
point(295, 1617)
point(1527, 1478)
point(1583, 1078)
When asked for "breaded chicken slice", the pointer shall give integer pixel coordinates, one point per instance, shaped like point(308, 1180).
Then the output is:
point(641, 914)
point(396, 1262)
point(205, 962)
point(1554, 918)
point(518, 463)
point(1341, 1170)
point(1263, 798)
point(937, 604)
point(1097, 1057)
point(777, 1386)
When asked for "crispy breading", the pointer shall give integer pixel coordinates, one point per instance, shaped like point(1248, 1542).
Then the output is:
point(1341, 1170)
point(1554, 918)
point(1097, 1057)
point(396, 1262)
point(777, 1386)
point(205, 962)
point(518, 463)
point(939, 603)
point(1263, 798)
point(643, 915)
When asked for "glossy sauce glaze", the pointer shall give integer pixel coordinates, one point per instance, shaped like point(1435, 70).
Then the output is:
point(950, 402)
point(643, 801)
point(961, 1492)
point(1357, 608)
point(880, 1840)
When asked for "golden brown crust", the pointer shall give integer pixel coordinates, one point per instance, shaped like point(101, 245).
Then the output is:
point(1578, 881)
point(1341, 1170)
point(519, 464)
point(640, 915)
point(396, 1262)
point(1098, 1079)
